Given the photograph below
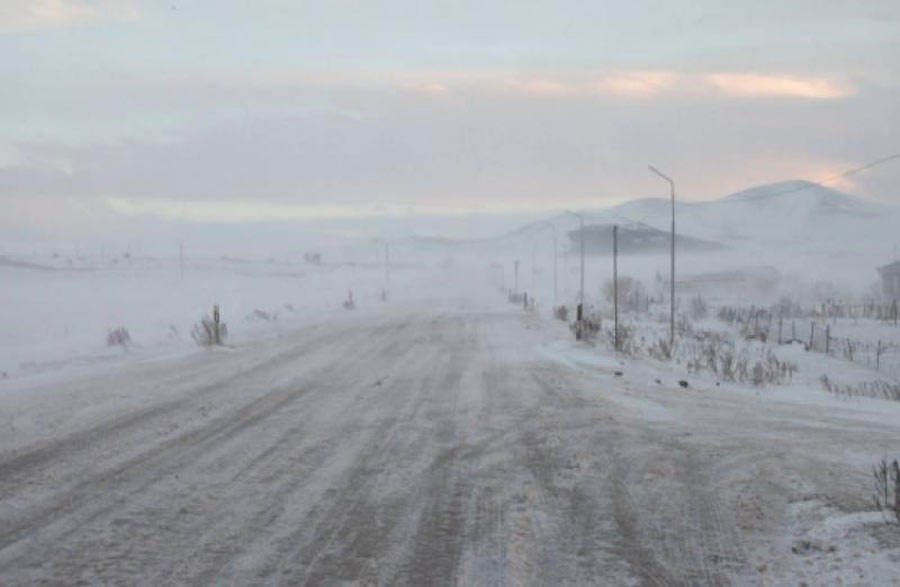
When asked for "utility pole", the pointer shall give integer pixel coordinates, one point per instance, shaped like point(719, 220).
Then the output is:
point(581, 246)
point(672, 268)
point(616, 286)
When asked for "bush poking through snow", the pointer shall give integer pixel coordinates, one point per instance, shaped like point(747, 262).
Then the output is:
point(210, 331)
point(661, 350)
point(876, 389)
point(887, 487)
point(258, 314)
point(349, 304)
point(118, 337)
point(628, 343)
point(631, 293)
point(699, 308)
point(561, 313)
point(587, 328)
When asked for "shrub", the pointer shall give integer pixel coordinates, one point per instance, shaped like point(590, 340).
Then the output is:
point(876, 389)
point(561, 313)
point(632, 294)
point(210, 331)
point(699, 308)
point(887, 487)
point(586, 328)
point(628, 343)
point(258, 314)
point(118, 337)
point(661, 350)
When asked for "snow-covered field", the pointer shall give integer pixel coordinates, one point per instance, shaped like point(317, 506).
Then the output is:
point(441, 437)
point(54, 315)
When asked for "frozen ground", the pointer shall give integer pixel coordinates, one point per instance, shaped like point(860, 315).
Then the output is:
point(461, 441)
point(55, 315)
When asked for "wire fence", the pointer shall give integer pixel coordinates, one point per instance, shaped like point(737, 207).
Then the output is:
point(866, 334)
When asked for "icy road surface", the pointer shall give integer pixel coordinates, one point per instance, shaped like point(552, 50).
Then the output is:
point(432, 448)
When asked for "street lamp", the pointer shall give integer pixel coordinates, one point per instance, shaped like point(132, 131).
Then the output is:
point(672, 268)
point(581, 246)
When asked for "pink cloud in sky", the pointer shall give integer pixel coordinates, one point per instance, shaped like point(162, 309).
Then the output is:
point(31, 15)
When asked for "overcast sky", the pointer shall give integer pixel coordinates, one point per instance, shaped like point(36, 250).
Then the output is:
point(231, 110)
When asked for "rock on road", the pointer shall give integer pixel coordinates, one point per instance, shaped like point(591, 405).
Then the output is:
point(434, 448)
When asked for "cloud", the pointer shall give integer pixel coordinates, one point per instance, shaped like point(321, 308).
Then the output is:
point(637, 83)
point(760, 85)
point(33, 15)
point(539, 86)
point(580, 83)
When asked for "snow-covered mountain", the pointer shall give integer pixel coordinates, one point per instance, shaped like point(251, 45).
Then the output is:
point(795, 213)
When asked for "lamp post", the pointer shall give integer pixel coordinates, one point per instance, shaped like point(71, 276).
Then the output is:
point(672, 267)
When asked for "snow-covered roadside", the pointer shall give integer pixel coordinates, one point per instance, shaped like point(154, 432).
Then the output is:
point(794, 461)
point(55, 319)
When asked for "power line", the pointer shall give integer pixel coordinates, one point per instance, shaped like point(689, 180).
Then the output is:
point(812, 184)
point(805, 186)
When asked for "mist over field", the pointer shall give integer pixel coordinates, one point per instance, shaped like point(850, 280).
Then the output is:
point(389, 293)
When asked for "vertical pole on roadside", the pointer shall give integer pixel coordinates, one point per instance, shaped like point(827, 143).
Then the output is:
point(616, 286)
point(216, 320)
point(181, 259)
point(672, 268)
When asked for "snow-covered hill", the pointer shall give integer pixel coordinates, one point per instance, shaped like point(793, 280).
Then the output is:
point(796, 213)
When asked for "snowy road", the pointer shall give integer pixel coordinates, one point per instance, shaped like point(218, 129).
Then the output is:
point(425, 449)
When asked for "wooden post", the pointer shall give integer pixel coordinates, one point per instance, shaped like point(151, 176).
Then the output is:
point(812, 331)
point(827, 337)
point(216, 320)
point(779, 328)
point(878, 356)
